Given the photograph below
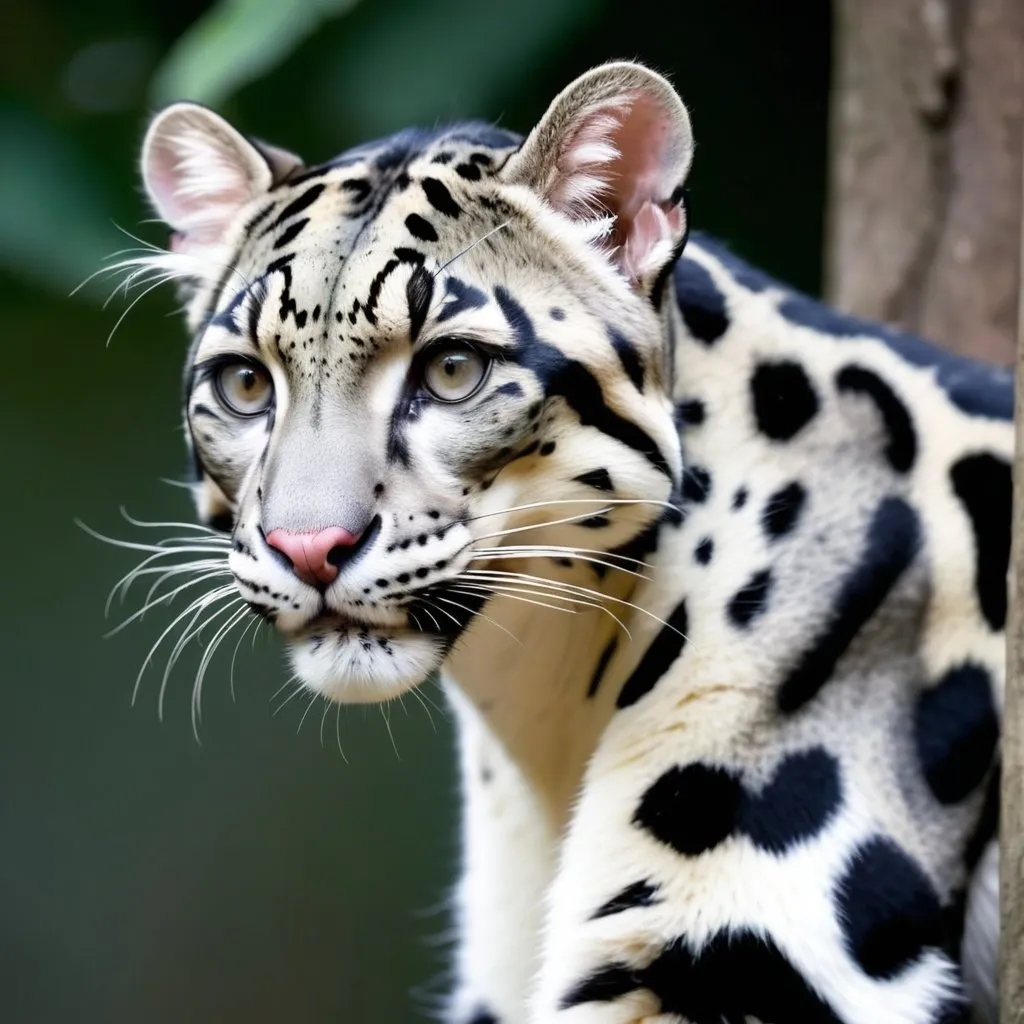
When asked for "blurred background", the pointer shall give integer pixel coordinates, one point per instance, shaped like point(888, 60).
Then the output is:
point(259, 875)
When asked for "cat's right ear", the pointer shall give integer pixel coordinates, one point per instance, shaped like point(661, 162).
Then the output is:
point(199, 172)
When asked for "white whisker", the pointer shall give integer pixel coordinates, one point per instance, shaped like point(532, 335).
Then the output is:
point(160, 600)
point(480, 613)
point(498, 554)
point(572, 587)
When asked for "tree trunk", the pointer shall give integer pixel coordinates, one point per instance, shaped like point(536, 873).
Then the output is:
point(925, 230)
point(1011, 839)
point(925, 199)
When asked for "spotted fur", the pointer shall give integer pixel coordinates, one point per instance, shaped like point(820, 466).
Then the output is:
point(750, 777)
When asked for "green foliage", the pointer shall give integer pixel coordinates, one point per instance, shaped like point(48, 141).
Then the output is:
point(235, 42)
point(55, 216)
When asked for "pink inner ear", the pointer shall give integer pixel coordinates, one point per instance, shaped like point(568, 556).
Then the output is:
point(197, 183)
point(619, 162)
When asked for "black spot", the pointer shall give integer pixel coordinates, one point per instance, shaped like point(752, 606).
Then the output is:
point(482, 1016)
point(440, 198)
point(888, 909)
point(290, 232)
point(901, 451)
point(547, 447)
point(601, 667)
point(739, 499)
point(602, 986)
point(736, 974)
point(297, 205)
point(639, 894)
point(657, 659)
point(957, 729)
point(570, 379)
point(702, 304)
point(597, 478)
point(463, 296)
point(750, 600)
point(260, 217)
point(892, 541)
point(468, 171)
point(418, 292)
point(784, 400)
point(696, 484)
point(984, 484)
point(782, 510)
point(691, 808)
point(359, 187)
point(975, 388)
point(690, 413)
point(704, 550)
point(594, 522)
point(420, 228)
point(629, 357)
point(557, 314)
point(224, 522)
point(799, 801)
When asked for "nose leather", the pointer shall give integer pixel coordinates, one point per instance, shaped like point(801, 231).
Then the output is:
point(308, 551)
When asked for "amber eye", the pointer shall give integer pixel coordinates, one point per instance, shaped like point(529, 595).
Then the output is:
point(244, 388)
point(455, 372)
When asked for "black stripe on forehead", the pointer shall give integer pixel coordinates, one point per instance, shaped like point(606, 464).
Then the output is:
point(297, 205)
point(570, 379)
point(419, 291)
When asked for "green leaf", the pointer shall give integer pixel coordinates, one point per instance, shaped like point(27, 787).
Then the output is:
point(235, 42)
point(55, 226)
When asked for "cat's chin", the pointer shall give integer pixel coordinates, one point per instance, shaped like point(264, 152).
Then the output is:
point(365, 666)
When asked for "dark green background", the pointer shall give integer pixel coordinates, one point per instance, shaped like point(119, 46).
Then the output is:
point(258, 876)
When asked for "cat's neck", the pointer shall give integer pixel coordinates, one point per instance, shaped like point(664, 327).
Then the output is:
point(539, 677)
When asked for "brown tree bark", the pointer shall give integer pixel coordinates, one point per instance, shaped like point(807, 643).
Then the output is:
point(926, 230)
point(1011, 839)
point(925, 201)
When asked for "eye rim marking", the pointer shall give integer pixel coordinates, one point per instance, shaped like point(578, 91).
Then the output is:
point(213, 371)
point(437, 350)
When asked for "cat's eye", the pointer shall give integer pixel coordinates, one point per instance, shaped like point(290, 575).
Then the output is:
point(244, 388)
point(455, 372)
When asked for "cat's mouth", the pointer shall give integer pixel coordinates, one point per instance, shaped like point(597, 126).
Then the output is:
point(354, 661)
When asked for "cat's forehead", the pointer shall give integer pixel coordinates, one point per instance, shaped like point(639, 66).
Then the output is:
point(378, 211)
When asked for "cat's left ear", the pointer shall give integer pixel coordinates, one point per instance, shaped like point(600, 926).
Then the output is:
point(616, 144)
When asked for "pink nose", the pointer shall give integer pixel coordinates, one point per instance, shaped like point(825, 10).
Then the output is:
point(308, 551)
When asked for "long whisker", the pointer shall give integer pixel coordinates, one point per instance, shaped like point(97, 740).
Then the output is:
point(386, 715)
point(219, 567)
point(498, 554)
point(204, 664)
point(234, 655)
point(298, 689)
point(573, 501)
point(515, 587)
point(206, 545)
point(472, 245)
point(568, 550)
point(198, 527)
point(312, 701)
point(199, 603)
point(541, 526)
point(160, 600)
point(478, 612)
point(472, 590)
point(573, 587)
point(163, 279)
point(337, 729)
point(189, 632)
